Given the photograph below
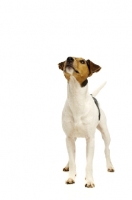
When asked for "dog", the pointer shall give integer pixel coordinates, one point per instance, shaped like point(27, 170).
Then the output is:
point(82, 115)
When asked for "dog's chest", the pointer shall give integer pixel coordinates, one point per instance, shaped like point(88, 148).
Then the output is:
point(80, 127)
point(79, 115)
point(78, 120)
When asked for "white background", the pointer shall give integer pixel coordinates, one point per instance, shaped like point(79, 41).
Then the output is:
point(36, 35)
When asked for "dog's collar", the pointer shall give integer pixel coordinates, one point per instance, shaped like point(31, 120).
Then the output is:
point(84, 83)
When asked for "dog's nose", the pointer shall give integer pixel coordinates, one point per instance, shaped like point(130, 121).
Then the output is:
point(70, 59)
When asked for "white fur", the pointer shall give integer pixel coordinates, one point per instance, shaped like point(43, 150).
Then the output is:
point(98, 89)
point(80, 119)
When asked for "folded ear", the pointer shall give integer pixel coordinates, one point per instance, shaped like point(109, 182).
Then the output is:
point(92, 67)
point(61, 65)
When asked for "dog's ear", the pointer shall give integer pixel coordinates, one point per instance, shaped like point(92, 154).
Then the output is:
point(61, 65)
point(92, 67)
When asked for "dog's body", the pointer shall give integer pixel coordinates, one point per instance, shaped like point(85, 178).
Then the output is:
point(80, 118)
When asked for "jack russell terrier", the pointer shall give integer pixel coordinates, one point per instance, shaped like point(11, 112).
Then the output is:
point(82, 115)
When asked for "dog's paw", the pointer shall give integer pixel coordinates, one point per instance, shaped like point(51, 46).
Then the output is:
point(70, 181)
point(110, 169)
point(65, 169)
point(89, 185)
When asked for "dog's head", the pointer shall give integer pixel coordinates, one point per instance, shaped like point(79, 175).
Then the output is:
point(80, 68)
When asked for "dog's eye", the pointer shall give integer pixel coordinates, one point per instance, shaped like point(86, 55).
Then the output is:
point(82, 61)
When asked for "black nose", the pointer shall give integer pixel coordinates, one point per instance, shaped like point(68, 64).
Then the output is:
point(70, 59)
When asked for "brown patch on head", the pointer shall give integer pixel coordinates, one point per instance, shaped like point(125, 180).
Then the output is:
point(92, 67)
point(61, 65)
point(79, 68)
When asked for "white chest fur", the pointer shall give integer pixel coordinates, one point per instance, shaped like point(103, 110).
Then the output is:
point(80, 114)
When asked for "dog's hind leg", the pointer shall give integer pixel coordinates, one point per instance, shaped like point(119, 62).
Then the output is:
point(102, 127)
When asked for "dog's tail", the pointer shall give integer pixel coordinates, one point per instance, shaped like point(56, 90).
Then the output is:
point(98, 89)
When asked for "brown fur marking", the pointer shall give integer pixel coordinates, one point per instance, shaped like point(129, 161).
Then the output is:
point(85, 69)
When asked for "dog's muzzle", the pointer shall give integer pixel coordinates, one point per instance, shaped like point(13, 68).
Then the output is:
point(70, 60)
point(69, 64)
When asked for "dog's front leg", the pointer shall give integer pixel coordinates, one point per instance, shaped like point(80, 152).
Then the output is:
point(70, 143)
point(89, 162)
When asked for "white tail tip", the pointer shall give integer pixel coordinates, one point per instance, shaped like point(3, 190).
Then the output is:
point(98, 89)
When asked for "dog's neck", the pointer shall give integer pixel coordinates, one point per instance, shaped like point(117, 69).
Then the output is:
point(75, 88)
point(76, 96)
